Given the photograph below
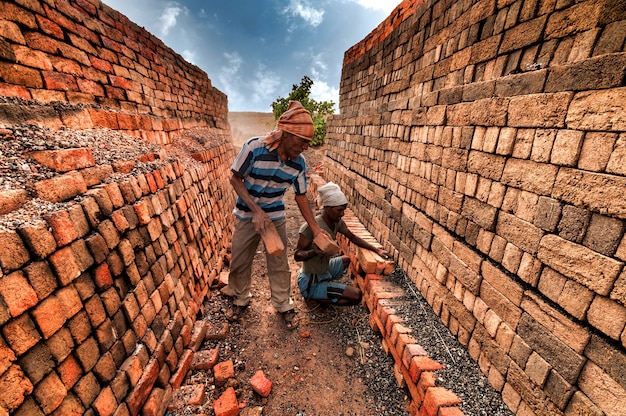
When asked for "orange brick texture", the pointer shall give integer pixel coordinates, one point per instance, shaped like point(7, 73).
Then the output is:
point(106, 70)
point(483, 142)
point(99, 304)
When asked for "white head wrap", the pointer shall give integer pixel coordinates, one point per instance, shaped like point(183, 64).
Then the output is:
point(330, 195)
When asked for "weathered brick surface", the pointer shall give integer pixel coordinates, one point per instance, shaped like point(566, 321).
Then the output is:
point(525, 170)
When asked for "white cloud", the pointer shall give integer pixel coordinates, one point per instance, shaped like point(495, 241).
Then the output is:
point(168, 18)
point(190, 56)
point(264, 85)
point(302, 9)
point(321, 91)
point(386, 6)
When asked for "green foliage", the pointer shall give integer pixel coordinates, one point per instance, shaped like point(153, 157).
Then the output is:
point(318, 109)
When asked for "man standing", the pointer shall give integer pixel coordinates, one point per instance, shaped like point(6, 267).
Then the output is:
point(261, 173)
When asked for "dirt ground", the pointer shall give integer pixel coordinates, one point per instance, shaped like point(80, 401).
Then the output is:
point(318, 369)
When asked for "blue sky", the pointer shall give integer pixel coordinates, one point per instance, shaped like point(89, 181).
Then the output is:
point(255, 50)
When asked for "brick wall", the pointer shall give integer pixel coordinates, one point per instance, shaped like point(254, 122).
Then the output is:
point(484, 143)
point(106, 70)
point(99, 300)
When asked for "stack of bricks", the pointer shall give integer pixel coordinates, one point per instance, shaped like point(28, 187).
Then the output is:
point(413, 369)
point(484, 141)
point(80, 64)
point(99, 302)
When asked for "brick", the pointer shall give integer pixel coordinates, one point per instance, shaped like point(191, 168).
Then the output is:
point(226, 404)
point(17, 293)
point(61, 344)
point(617, 160)
point(420, 365)
point(523, 34)
point(183, 367)
point(436, 398)
point(596, 151)
point(20, 75)
point(539, 110)
point(87, 389)
point(61, 188)
point(65, 265)
point(603, 391)
point(223, 371)
point(591, 269)
point(521, 233)
point(589, 74)
point(570, 20)
point(15, 387)
point(69, 372)
point(97, 174)
point(261, 384)
point(11, 200)
point(47, 316)
point(105, 403)
point(608, 316)
point(65, 160)
point(142, 390)
point(597, 110)
point(205, 359)
point(38, 238)
point(13, 253)
point(21, 334)
point(604, 234)
point(37, 362)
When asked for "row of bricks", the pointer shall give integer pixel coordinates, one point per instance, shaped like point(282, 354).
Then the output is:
point(414, 369)
point(102, 274)
point(525, 233)
point(106, 56)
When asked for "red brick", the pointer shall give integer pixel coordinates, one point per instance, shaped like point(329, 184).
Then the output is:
point(13, 253)
point(50, 393)
point(61, 188)
point(69, 371)
point(159, 399)
point(226, 404)
point(437, 397)
point(70, 300)
point(65, 265)
point(41, 278)
point(102, 276)
point(21, 334)
point(420, 364)
point(89, 6)
point(223, 371)
point(260, 384)
point(65, 160)
point(410, 351)
point(101, 64)
point(183, 367)
point(6, 357)
point(17, 293)
point(105, 404)
point(49, 27)
point(32, 58)
point(143, 388)
point(103, 118)
point(90, 87)
point(11, 200)
point(14, 387)
point(20, 75)
point(205, 359)
point(62, 227)
point(59, 81)
point(48, 316)
point(14, 13)
point(14, 91)
point(38, 238)
point(87, 388)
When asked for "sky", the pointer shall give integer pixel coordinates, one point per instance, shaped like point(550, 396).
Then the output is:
point(254, 51)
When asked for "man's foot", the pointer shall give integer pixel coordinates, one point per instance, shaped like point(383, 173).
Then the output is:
point(291, 319)
point(235, 312)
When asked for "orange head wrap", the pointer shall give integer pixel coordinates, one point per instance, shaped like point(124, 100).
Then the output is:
point(295, 120)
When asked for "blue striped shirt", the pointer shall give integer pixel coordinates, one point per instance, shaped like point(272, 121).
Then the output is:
point(267, 178)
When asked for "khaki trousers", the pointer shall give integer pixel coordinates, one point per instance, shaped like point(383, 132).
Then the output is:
point(244, 246)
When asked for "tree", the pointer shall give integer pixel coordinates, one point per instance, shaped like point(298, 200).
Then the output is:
point(318, 109)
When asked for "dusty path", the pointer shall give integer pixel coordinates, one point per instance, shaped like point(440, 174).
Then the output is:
point(333, 364)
